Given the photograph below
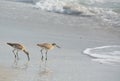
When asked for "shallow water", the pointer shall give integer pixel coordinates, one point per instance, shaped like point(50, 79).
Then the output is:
point(105, 11)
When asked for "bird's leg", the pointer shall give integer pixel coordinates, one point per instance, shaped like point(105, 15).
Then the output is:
point(17, 55)
point(15, 62)
point(42, 54)
point(46, 54)
point(14, 53)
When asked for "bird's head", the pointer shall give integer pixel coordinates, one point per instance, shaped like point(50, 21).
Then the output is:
point(54, 44)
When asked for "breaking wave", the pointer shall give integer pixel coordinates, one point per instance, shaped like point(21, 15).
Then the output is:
point(96, 8)
point(104, 54)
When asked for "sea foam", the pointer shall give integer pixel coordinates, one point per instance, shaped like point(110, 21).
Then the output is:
point(104, 54)
point(87, 8)
point(64, 7)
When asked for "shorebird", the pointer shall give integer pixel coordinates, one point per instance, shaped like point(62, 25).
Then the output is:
point(18, 47)
point(46, 47)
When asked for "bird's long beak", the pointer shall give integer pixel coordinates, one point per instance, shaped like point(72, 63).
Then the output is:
point(37, 44)
point(27, 53)
point(58, 46)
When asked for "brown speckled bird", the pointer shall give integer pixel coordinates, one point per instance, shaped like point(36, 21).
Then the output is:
point(18, 47)
point(46, 47)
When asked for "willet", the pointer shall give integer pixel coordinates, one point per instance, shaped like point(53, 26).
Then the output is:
point(18, 47)
point(46, 47)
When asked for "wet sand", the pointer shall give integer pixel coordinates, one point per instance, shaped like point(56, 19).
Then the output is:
point(7, 74)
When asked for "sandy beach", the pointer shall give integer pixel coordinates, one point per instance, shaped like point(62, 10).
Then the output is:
point(7, 74)
point(23, 23)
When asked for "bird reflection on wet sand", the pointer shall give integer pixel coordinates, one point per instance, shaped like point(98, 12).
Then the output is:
point(19, 66)
point(44, 73)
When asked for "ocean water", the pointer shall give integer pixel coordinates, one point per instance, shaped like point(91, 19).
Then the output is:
point(108, 11)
